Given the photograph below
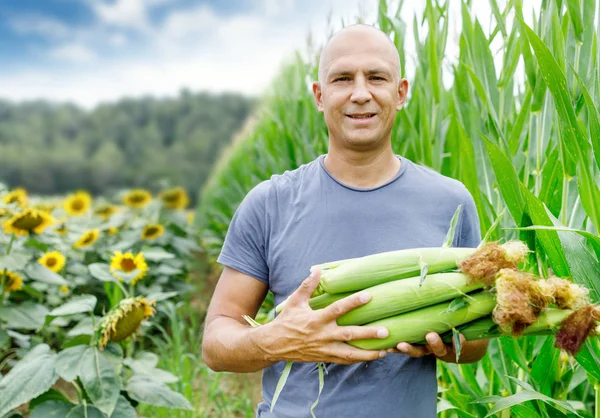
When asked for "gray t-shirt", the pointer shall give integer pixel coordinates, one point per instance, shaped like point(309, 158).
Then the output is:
point(304, 217)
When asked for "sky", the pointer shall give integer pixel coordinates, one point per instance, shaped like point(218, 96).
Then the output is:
point(94, 51)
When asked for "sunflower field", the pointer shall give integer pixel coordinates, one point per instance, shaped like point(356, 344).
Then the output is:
point(84, 285)
point(518, 123)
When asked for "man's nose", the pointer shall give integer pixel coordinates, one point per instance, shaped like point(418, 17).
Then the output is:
point(360, 91)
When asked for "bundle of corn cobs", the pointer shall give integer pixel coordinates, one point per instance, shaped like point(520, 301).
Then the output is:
point(478, 292)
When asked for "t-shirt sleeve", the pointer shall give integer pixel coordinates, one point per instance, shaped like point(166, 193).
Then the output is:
point(469, 232)
point(244, 248)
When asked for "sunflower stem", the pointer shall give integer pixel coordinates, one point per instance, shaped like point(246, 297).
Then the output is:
point(10, 244)
point(94, 336)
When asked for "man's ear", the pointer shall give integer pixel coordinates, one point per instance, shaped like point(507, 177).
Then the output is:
point(402, 92)
point(316, 88)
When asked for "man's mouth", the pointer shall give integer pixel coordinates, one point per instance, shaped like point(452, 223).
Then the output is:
point(361, 115)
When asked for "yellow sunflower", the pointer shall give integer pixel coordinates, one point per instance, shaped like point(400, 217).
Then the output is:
point(124, 320)
point(152, 231)
point(175, 198)
point(88, 238)
point(4, 212)
point(30, 220)
point(62, 230)
point(126, 263)
point(106, 211)
point(112, 230)
point(64, 289)
point(12, 281)
point(78, 203)
point(137, 198)
point(190, 215)
point(19, 196)
point(53, 260)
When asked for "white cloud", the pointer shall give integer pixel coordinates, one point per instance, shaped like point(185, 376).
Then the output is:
point(39, 25)
point(73, 52)
point(123, 13)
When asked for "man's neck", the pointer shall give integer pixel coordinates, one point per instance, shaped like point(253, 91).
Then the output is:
point(362, 169)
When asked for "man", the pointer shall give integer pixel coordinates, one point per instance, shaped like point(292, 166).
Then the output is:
point(357, 200)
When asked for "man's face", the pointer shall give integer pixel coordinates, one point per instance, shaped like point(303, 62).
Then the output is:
point(359, 92)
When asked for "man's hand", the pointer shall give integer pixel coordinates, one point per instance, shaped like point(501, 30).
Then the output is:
point(470, 352)
point(302, 334)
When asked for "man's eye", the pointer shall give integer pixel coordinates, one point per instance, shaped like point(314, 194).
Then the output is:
point(342, 79)
point(377, 78)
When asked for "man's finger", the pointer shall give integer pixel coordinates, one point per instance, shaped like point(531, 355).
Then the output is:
point(413, 350)
point(350, 333)
point(350, 355)
point(342, 306)
point(436, 344)
point(305, 290)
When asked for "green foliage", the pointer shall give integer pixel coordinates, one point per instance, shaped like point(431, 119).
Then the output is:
point(53, 149)
point(528, 149)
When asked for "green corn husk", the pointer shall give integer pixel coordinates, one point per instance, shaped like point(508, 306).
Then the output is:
point(361, 273)
point(398, 296)
point(411, 327)
point(481, 329)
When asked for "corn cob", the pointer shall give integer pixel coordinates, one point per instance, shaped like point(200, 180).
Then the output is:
point(363, 272)
point(412, 326)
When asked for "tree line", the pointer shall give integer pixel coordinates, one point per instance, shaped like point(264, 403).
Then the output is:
point(51, 148)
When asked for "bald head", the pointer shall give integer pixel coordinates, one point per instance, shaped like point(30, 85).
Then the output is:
point(346, 41)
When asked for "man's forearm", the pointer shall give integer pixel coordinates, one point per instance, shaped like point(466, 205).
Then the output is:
point(231, 346)
point(471, 352)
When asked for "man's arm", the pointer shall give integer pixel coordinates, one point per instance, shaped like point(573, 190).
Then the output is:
point(297, 334)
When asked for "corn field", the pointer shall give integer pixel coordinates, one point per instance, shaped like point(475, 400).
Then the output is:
point(519, 125)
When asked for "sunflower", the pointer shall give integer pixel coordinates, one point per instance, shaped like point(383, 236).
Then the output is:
point(64, 289)
point(19, 196)
point(175, 198)
point(4, 212)
point(78, 203)
point(106, 211)
point(127, 263)
point(112, 230)
point(53, 260)
point(12, 281)
point(62, 230)
point(88, 238)
point(137, 198)
point(45, 207)
point(30, 220)
point(124, 320)
point(152, 231)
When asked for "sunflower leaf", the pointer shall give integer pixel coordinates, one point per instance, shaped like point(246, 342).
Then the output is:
point(78, 304)
point(101, 271)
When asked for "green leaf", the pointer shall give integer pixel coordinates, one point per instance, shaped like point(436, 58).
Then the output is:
point(99, 380)
point(157, 254)
point(85, 411)
point(28, 315)
point(457, 342)
point(285, 373)
point(51, 409)
point(36, 271)
point(545, 365)
point(30, 377)
point(123, 409)
point(589, 357)
point(528, 395)
point(155, 393)
point(456, 304)
point(574, 10)
point(85, 326)
point(14, 261)
point(67, 362)
point(34, 243)
point(321, 383)
point(507, 178)
point(77, 304)
point(452, 229)
point(50, 395)
point(101, 271)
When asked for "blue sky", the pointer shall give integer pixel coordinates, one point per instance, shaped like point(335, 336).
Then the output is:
point(93, 51)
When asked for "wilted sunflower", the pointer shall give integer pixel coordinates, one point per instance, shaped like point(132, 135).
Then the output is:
point(175, 198)
point(53, 260)
point(152, 231)
point(12, 281)
point(137, 198)
point(88, 238)
point(106, 211)
point(19, 196)
point(124, 320)
point(78, 203)
point(127, 263)
point(30, 220)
